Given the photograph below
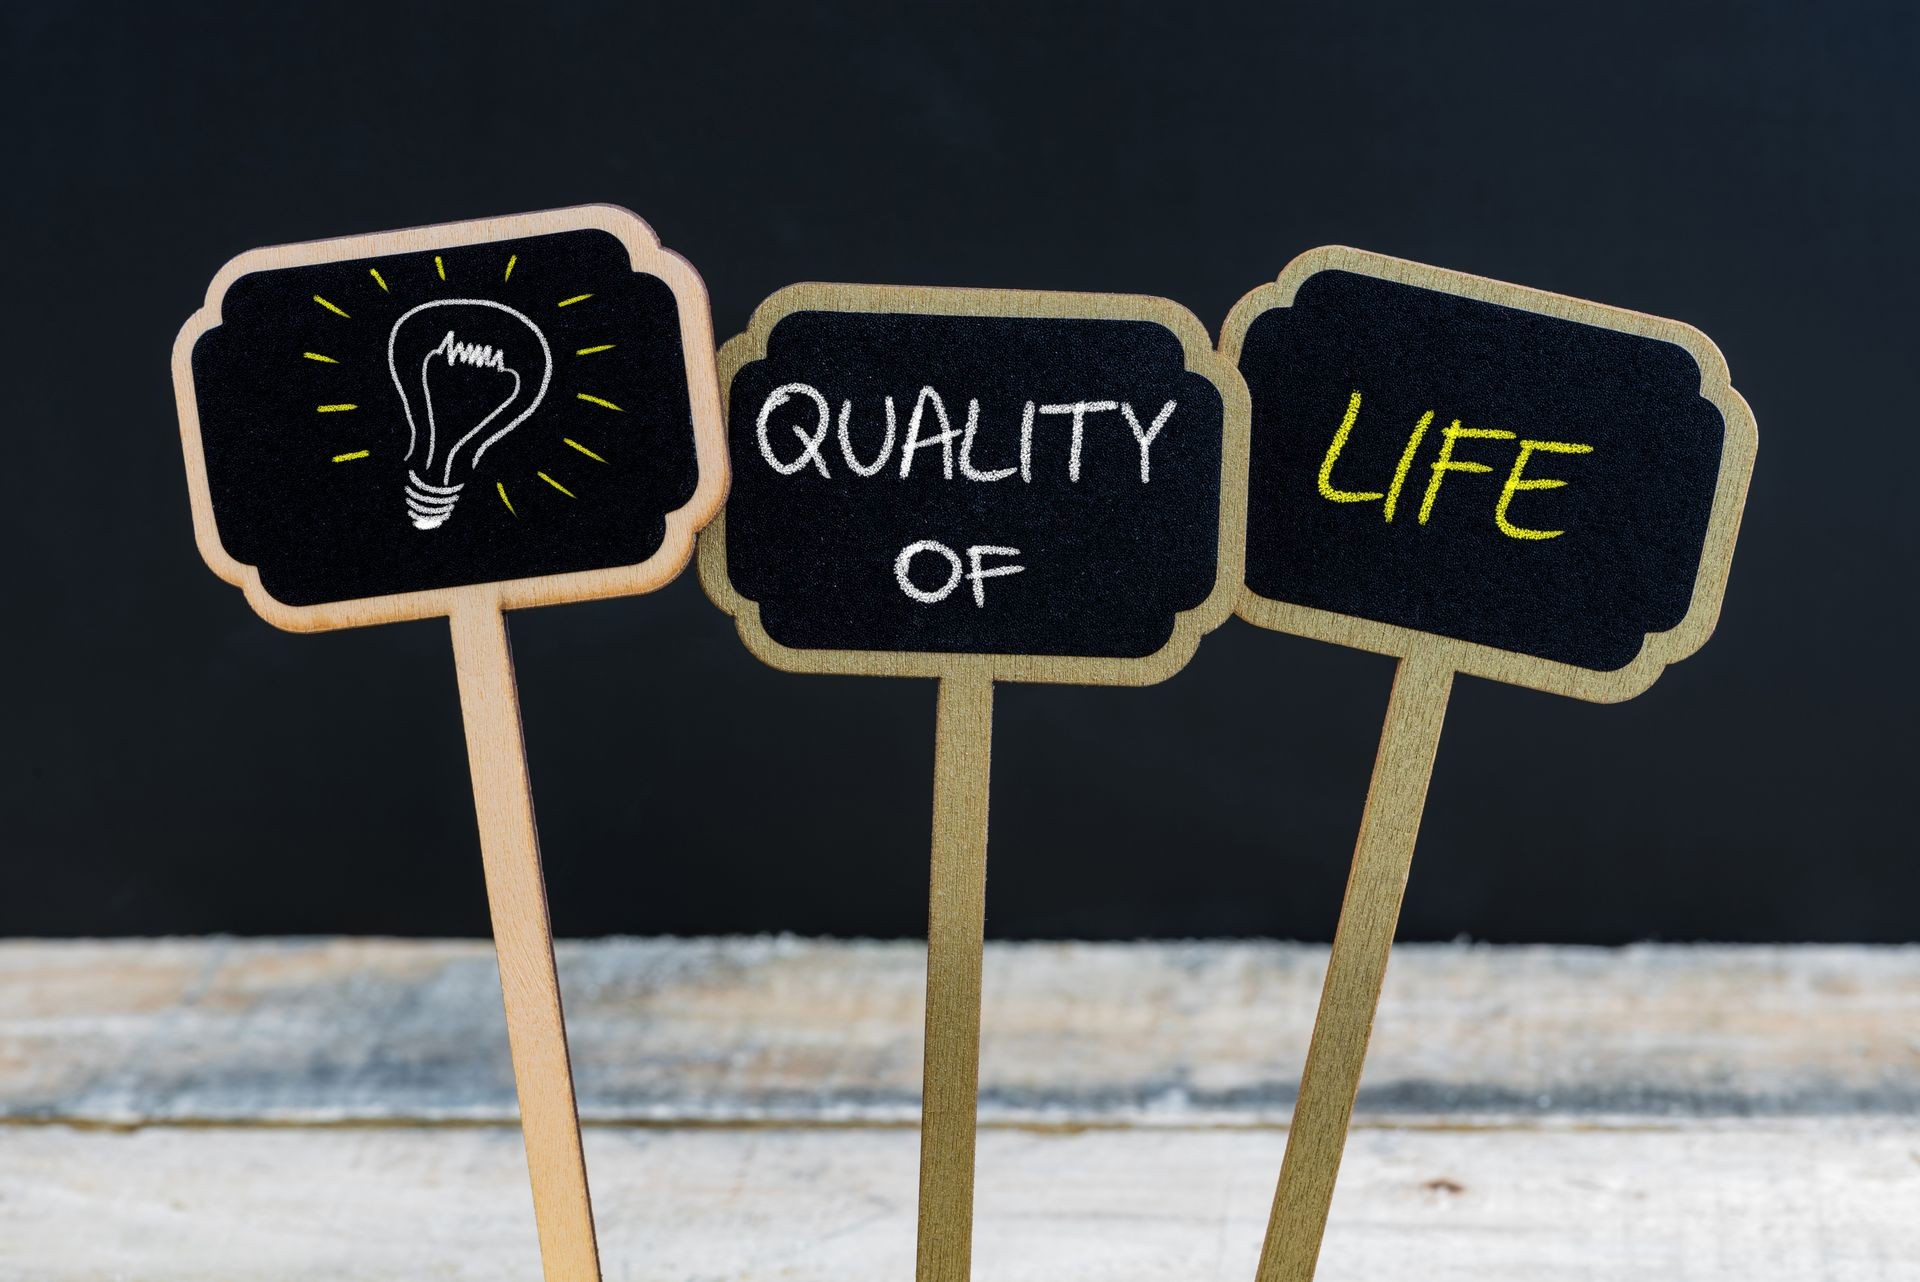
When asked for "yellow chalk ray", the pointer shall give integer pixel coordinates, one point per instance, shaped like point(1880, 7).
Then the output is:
point(577, 298)
point(568, 440)
point(379, 280)
point(555, 484)
point(588, 351)
point(440, 266)
point(330, 307)
point(348, 458)
point(335, 409)
point(508, 275)
point(315, 356)
point(501, 486)
point(595, 400)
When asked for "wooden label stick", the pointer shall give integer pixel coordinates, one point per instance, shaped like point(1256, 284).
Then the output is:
point(956, 925)
point(523, 942)
point(1350, 994)
point(454, 421)
point(976, 486)
point(1476, 478)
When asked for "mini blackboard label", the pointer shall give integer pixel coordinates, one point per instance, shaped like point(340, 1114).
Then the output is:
point(516, 401)
point(924, 477)
point(1550, 486)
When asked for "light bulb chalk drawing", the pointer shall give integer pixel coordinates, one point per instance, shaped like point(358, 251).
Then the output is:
point(431, 490)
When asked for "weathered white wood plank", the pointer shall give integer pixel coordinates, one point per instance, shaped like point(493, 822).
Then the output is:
point(1733, 1202)
point(796, 1030)
point(1692, 1115)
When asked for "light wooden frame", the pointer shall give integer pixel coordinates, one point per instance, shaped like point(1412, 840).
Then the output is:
point(489, 697)
point(1723, 523)
point(683, 524)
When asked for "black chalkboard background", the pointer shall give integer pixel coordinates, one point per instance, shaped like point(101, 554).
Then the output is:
point(171, 763)
point(1106, 560)
point(1632, 513)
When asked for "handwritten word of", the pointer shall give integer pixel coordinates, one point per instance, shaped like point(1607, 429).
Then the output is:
point(956, 445)
point(1517, 481)
point(977, 573)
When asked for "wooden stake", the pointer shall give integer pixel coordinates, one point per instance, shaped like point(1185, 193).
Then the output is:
point(523, 941)
point(956, 930)
point(1356, 968)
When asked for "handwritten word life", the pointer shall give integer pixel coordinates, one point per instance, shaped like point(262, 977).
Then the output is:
point(956, 444)
point(1444, 463)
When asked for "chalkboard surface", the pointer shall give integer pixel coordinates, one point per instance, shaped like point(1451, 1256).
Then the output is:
point(953, 472)
point(381, 424)
point(1500, 467)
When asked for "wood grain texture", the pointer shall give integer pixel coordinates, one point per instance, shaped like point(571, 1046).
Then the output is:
point(811, 1032)
point(1733, 1202)
point(199, 1110)
point(523, 943)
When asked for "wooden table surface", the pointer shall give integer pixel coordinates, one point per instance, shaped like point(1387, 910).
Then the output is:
point(298, 1110)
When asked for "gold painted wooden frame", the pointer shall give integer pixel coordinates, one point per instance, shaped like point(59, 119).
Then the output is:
point(1723, 523)
point(963, 733)
point(1189, 626)
point(683, 524)
point(1416, 713)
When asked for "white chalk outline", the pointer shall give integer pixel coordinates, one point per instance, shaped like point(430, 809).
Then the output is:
point(546, 377)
